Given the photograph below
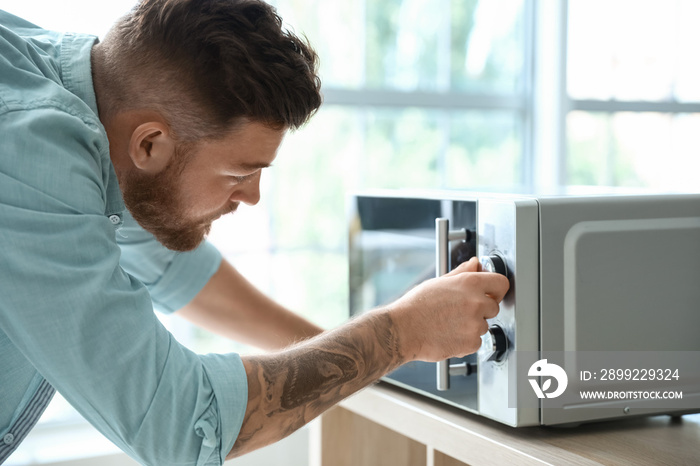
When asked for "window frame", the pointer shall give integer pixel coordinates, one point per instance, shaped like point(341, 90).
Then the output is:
point(553, 103)
point(521, 102)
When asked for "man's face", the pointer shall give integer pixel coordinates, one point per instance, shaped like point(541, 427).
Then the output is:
point(200, 184)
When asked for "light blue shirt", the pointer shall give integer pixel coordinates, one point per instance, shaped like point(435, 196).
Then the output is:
point(79, 278)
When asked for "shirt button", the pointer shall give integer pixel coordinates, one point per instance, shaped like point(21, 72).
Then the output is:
point(115, 219)
point(8, 439)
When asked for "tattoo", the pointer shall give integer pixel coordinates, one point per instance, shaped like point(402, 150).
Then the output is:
point(288, 389)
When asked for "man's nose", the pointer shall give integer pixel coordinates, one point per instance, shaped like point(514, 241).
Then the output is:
point(248, 192)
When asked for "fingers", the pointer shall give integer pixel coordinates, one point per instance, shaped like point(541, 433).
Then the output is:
point(484, 328)
point(473, 343)
point(490, 307)
point(493, 284)
point(472, 265)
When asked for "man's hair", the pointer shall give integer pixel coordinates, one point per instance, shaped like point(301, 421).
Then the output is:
point(208, 65)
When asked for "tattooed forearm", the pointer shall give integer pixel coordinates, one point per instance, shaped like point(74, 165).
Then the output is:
point(440, 318)
point(286, 390)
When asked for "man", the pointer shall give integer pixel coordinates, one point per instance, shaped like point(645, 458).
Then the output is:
point(177, 112)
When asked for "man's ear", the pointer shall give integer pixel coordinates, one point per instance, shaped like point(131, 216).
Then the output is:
point(151, 147)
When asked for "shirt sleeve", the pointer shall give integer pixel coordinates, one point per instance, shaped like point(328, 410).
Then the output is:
point(84, 323)
point(172, 278)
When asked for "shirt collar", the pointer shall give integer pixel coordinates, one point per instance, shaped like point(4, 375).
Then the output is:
point(76, 74)
point(76, 68)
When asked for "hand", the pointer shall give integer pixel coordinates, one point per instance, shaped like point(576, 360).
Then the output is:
point(440, 318)
point(446, 316)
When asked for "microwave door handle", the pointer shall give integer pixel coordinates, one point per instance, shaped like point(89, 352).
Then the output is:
point(443, 236)
point(442, 259)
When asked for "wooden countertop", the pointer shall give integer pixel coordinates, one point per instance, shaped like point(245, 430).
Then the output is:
point(472, 439)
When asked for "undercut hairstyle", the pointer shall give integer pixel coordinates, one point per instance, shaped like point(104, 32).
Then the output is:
point(210, 65)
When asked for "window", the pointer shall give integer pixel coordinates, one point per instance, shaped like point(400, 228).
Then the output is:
point(633, 84)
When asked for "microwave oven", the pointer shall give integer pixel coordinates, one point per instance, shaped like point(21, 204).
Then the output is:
point(603, 306)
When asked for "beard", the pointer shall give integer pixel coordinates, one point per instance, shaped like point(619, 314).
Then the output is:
point(156, 203)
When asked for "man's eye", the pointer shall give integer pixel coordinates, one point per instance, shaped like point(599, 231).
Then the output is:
point(241, 179)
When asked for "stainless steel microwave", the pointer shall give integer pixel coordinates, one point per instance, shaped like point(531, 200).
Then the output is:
point(605, 295)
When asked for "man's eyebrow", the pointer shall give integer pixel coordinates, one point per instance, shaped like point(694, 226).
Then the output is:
point(253, 166)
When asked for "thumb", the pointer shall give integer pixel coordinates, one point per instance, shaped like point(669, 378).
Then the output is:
point(472, 265)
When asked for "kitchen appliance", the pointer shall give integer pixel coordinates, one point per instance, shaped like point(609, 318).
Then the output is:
point(603, 287)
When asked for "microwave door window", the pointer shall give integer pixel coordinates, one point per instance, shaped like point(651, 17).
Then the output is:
point(390, 264)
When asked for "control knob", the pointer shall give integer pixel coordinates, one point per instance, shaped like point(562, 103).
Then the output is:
point(494, 344)
point(494, 263)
